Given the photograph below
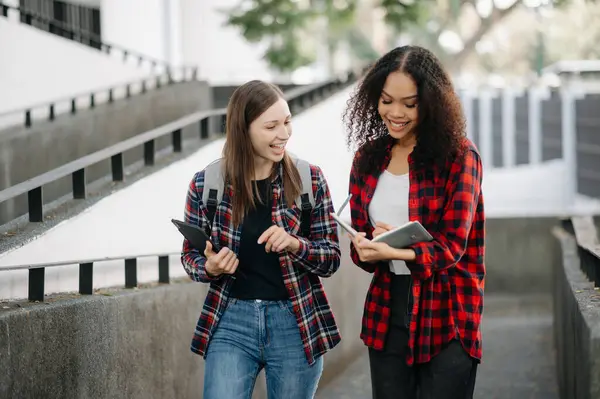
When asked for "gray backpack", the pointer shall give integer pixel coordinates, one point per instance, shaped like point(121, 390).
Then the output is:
point(214, 183)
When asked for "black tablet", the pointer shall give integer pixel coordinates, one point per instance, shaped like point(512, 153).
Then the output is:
point(195, 235)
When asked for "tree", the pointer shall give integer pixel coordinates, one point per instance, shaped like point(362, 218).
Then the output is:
point(280, 21)
point(448, 17)
point(286, 24)
point(445, 19)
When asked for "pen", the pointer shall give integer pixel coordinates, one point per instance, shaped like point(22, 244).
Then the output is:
point(344, 204)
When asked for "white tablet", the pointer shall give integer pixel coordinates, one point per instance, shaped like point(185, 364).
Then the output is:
point(405, 235)
point(346, 226)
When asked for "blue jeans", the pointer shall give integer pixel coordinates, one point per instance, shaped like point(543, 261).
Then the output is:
point(253, 335)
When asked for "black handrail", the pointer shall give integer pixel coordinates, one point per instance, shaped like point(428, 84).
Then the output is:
point(37, 272)
point(298, 99)
point(159, 79)
point(155, 81)
point(588, 245)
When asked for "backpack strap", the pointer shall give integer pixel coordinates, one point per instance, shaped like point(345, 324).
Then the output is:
point(306, 200)
point(214, 183)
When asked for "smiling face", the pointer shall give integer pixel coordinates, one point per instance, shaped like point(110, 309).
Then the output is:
point(398, 106)
point(270, 132)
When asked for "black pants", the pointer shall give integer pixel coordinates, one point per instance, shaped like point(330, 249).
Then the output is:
point(449, 375)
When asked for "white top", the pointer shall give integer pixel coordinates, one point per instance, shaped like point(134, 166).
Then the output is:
point(390, 205)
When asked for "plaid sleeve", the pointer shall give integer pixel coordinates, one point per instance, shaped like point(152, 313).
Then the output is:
point(320, 255)
point(450, 240)
point(192, 260)
point(357, 215)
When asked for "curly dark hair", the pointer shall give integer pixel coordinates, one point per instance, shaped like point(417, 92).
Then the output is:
point(441, 125)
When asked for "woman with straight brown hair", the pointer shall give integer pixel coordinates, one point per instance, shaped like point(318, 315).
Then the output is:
point(265, 306)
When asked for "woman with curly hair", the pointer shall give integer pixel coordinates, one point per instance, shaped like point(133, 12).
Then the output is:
point(423, 310)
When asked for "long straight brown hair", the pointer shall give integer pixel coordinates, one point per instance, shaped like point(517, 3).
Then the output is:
point(246, 104)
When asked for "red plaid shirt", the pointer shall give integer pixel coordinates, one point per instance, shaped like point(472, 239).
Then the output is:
point(318, 257)
point(448, 273)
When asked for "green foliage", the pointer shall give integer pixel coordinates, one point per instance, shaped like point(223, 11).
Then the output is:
point(361, 46)
point(286, 54)
point(284, 22)
point(280, 21)
point(401, 13)
point(268, 18)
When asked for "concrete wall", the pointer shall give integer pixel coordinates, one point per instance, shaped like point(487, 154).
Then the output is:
point(518, 255)
point(222, 93)
point(69, 137)
point(576, 323)
point(135, 343)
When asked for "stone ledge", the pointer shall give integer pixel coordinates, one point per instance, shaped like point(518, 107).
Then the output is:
point(576, 323)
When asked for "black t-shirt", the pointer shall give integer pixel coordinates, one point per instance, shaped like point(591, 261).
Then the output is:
point(261, 278)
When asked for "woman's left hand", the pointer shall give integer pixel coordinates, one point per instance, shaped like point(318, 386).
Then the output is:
point(371, 252)
point(276, 239)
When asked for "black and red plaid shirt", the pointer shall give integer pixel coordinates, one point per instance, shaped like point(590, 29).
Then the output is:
point(319, 256)
point(448, 273)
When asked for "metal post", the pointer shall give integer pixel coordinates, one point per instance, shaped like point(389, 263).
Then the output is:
point(35, 203)
point(509, 147)
point(177, 140)
point(536, 96)
point(149, 153)
point(485, 126)
point(467, 101)
point(116, 162)
point(204, 128)
point(569, 93)
point(163, 269)
point(79, 190)
point(86, 278)
point(36, 284)
point(131, 273)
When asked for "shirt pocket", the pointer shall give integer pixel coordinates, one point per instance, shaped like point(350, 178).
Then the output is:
point(433, 208)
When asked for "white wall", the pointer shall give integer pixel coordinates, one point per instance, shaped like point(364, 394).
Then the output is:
point(37, 67)
point(136, 25)
point(188, 32)
point(221, 53)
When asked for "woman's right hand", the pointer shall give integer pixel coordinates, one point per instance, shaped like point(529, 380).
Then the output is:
point(224, 262)
point(381, 228)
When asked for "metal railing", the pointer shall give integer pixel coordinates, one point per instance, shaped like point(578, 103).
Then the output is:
point(162, 72)
point(298, 100)
point(96, 97)
point(588, 246)
point(37, 273)
point(514, 126)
